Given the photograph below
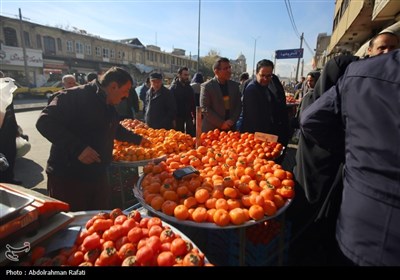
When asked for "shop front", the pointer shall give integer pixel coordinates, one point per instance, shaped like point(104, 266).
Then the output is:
point(13, 65)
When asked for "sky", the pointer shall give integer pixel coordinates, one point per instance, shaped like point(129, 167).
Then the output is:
point(254, 28)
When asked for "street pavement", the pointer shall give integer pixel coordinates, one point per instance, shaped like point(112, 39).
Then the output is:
point(30, 169)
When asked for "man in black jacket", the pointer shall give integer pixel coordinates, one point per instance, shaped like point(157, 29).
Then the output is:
point(81, 124)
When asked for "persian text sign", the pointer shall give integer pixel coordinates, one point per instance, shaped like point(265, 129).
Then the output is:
point(14, 56)
point(292, 53)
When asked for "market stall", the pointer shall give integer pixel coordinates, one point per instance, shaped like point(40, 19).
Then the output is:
point(228, 205)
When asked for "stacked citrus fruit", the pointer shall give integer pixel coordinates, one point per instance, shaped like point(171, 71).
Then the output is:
point(162, 142)
point(238, 181)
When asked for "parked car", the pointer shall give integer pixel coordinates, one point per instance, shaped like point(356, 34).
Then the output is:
point(47, 89)
point(21, 91)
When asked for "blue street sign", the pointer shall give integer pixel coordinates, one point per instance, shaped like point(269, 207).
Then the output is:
point(293, 53)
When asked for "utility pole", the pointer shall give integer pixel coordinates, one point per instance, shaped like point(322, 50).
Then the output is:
point(254, 54)
point(23, 48)
point(298, 60)
point(198, 39)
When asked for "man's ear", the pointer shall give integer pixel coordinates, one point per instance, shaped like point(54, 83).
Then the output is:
point(114, 85)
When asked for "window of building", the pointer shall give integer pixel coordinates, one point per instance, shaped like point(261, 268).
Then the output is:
point(70, 46)
point(112, 53)
point(49, 45)
point(98, 51)
point(27, 39)
point(59, 44)
point(10, 36)
point(79, 47)
point(88, 49)
point(38, 41)
point(106, 52)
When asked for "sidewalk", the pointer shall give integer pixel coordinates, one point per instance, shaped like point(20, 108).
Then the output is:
point(30, 106)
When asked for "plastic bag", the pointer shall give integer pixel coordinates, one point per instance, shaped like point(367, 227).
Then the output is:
point(23, 146)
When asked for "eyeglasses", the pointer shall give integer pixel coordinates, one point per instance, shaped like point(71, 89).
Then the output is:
point(225, 68)
point(268, 76)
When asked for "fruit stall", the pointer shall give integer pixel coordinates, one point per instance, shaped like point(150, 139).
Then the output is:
point(217, 199)
point(238, 188)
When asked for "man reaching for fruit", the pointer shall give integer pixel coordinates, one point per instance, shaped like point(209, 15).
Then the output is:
point(81, 124)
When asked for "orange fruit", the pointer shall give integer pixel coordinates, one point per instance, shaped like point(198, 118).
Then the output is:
point(168, 207)
point(199, 215)
point(256, 212)
point(221, 217)
point(238, 216)
point(181, 212)
point(157, 202)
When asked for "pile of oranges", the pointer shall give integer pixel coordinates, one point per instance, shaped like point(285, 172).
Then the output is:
point(238, 181)
point(163, 142)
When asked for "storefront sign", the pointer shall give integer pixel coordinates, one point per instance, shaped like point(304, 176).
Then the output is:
point(14, 56)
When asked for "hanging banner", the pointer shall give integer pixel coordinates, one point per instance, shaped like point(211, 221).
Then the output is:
point(292, 53)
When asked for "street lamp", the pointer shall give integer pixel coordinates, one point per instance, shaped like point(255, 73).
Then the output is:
point(254, 54)
point(198, 39)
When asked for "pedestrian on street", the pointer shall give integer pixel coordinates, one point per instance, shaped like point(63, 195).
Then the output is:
point(82, 123)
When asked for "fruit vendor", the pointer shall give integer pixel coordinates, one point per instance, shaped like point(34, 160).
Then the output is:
point(81, 123)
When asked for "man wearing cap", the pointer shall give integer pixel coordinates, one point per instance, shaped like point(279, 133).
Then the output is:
point(160, 104)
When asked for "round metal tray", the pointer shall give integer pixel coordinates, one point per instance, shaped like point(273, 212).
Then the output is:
point(137, 191)
point(138, 162)
point(81, 217)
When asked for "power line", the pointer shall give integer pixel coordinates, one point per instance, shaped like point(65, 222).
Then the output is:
point(289, 11)
point(291, 17)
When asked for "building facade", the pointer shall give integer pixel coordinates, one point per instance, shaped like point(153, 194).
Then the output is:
point(52, 52)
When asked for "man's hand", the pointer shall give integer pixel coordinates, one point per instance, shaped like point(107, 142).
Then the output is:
point(89, 156)
point(226, 125)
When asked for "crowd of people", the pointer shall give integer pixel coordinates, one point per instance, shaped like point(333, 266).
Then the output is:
point(347, 163)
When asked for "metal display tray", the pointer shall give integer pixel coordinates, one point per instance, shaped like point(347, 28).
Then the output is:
point(138, 162)
point(11, 203)
point(82, 217)
point(137, 191)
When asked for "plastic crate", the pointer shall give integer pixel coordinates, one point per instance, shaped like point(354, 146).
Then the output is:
point(224, 247)
point(122, 180)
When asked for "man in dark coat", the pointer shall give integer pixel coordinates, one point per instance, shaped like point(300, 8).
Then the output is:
point(264, 104)
point(184, 97)
point(160, 105)
point(365, 104)
point(82, 123)
point(318, 174)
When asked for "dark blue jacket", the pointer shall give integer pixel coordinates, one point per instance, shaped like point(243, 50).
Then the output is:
point(366, 104)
